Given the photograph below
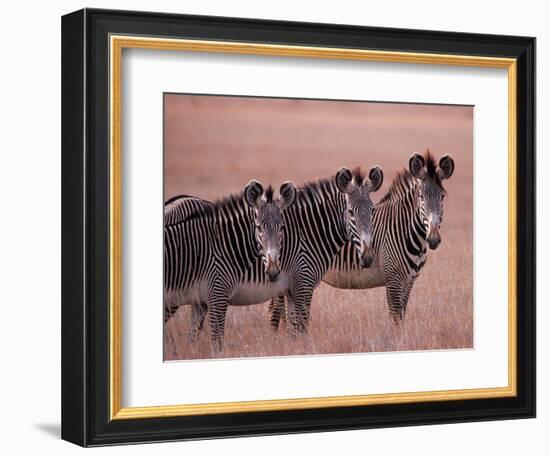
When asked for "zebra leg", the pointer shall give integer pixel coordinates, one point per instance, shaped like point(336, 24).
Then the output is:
point(198, 314)
point(277, 311)
point(299, 302)
point(394, 296)
point(170, 307)
point(168, 313)
point(217, 310)
point(405, 297)
point(296, 318)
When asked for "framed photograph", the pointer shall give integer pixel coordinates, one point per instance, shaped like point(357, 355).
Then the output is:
point(277, 227)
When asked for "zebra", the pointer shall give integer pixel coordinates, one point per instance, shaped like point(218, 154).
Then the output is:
point(406, 222)
point(325, 215)
point(209, 246)
point(180, 207)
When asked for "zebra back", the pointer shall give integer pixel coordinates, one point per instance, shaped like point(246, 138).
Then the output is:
point(180, 207)
point(201, 237)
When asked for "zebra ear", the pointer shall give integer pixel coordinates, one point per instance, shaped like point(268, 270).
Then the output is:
point(417, 166)
point(376, 177)
point(343, 180)
point(287, 195)
point(252, 193)
point(446, 167)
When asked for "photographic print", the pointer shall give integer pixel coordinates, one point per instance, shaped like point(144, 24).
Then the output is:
point(307, 227)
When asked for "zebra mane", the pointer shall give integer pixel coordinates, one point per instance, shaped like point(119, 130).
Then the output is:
point(401, 184)
point(312, 190)
point(431, 167)
point(233, 201)
point(268, 194)
point(404, 181)
point(328, 185)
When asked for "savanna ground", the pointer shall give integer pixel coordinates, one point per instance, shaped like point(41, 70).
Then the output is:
point(216, 145)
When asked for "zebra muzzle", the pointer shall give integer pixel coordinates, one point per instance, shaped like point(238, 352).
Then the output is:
point(273, 274)
point(434, 239)
point(272, 269)
point(367, 257)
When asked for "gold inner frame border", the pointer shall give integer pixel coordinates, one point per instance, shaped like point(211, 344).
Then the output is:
point(116, 46)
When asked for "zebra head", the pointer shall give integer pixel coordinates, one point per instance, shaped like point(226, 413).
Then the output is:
point(269, 221)
point(431, 192)
point(357, 187)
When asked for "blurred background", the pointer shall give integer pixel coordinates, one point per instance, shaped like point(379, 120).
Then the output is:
point(215, 145)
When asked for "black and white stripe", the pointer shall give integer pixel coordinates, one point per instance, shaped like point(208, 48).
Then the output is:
point(406, 223)
point(325, 215)
point(208, 247)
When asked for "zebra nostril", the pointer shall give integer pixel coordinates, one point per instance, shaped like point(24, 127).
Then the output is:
point(273, 274)
point(434, 242)
point(367, 257)
point(366, 261)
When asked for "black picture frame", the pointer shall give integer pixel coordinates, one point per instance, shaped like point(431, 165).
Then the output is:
point(85, 227)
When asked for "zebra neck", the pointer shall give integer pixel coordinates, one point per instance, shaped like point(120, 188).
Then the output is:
point(403, 214)
point(419, 217)
point(416, 234)
point(318, 218)
point(235, 236)
point(418, 223)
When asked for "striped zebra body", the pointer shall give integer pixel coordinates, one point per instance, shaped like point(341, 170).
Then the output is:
point(316, 227)
point(208, 248)
point(198, 266)
point(178, 210)
point(256, 288)
point(253, 288)
point(405, 225)
point(326, 215)
point(315, 230)
point(301, 269)
point(400, 246)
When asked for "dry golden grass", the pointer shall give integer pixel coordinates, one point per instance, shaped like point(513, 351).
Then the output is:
point(216, 145)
